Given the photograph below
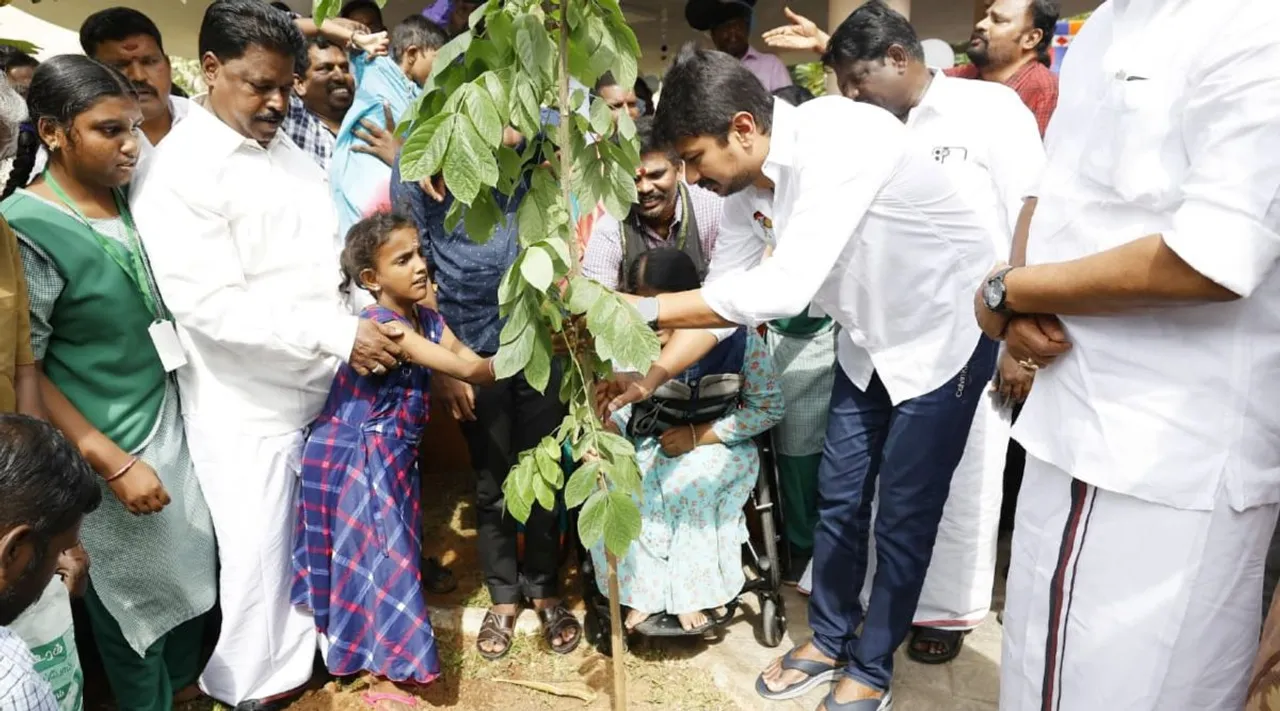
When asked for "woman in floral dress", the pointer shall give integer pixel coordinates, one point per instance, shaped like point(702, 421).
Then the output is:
point(697, 478)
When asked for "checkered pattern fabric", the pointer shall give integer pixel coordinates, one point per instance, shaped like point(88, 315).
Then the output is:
point(358, 545)
point(603, 255)
point(308, 132)
point(21, 688)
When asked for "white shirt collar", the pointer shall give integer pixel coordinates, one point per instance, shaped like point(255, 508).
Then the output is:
point(782, 140)
point(222, 139)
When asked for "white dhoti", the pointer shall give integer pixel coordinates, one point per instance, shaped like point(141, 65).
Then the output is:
point(1119, 603)
point(957, 588)
point(266, 646)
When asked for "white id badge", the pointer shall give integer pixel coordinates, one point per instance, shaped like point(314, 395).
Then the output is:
point(165, 338)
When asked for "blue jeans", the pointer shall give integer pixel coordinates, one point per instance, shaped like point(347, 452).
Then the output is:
point(912, 449)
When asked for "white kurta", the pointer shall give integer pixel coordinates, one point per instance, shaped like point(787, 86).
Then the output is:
point(241, 240)
point(1166, 417)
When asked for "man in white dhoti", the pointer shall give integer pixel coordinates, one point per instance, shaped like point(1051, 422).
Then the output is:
point(1153, 437)
point(241, 231)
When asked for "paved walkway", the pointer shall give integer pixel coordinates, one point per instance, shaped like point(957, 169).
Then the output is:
point(969, 683)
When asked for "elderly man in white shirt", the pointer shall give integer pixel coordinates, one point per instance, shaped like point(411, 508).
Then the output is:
point(988, 140)
point(241, 232)
point(1152, 434)
point(875, 234)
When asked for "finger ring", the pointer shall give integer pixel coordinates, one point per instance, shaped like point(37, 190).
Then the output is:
point(1029, 364)
point(378, 369)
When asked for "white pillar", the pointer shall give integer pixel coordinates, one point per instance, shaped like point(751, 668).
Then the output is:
point(838, 10)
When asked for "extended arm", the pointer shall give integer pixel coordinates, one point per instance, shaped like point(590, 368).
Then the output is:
point(762, 405)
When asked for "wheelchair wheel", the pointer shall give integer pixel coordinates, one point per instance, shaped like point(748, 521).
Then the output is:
point(771, 564)
point(773, 621)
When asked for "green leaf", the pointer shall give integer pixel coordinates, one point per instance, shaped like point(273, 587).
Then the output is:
point(425, 148)
point(620, 335)
point(548, 478)
point(560, 250)
point(321, 10)
point(538, 369)
point(470, 164)
point(513, 356)
point(621, 523)
point(482, 55)
point(517, 489)
point(620, 191)
point(601, 117)
point(624, 475)
point(626, 127)
point(477, 104)
point(583, 292)
point(482, 217)
point(615, 447)
point(497, 84)
point(583, 482)
point(537, 269)
point(530, 221)
point(510, 288)
point(443, 62)
point(499, 30)
point(591, 521)
point(453, 217)
point(570, 384)
point(533, 47)
point(520, 317)
point(525, 110)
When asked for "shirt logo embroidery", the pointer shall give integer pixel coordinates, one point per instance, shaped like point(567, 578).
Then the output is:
point(944, 153)
point(766, 225)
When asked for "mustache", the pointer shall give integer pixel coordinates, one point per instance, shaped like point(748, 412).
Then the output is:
point(143, 87)
point(270, 115)
point(655, 195)
point(978, 36)
point(708, 184)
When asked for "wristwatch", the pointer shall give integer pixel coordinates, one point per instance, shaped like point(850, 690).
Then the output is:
point(648, 308)
point(993, 292)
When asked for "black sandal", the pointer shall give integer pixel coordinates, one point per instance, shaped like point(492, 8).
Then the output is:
point(556, 620)
point(496, 628)
point(924, 639)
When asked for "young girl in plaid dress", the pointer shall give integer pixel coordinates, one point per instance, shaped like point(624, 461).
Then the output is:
point(358, 547)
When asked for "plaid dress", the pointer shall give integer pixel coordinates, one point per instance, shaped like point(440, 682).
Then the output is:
point(359, 537)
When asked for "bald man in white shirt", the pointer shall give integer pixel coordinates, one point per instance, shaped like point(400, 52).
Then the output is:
point(1152, 434)
point(872, 231)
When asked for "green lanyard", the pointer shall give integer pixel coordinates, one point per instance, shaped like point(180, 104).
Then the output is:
point(135, 267)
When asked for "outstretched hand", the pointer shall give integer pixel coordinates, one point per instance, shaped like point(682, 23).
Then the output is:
point(380, 141)
point(801, 34)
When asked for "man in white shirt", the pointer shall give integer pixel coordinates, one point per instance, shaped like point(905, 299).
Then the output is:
point(1152, 434)
point(240, 230)
point(875, 234)
point(987, 139)
point(46, 489)
point(729, 23)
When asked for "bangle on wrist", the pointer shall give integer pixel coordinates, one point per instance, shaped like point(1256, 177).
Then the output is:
point(493, 369)
point(122, 470)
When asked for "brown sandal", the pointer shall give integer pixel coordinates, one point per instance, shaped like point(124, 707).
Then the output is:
point(556, 620)
point(496, 628)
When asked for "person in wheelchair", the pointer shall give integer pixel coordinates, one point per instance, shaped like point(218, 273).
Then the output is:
point(695, 449)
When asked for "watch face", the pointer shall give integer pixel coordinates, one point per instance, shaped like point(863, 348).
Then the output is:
point(993, 294)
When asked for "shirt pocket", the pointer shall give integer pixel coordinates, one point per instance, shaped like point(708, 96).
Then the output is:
point(1133, 147)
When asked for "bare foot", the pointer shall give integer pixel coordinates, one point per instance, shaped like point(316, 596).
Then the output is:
point(635, 618)
point(493, 646)
point(776, 678)
point(848, 691)
point(692, 620)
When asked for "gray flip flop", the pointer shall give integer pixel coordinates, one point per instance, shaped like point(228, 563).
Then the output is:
point(884, 703)
point(817, 673)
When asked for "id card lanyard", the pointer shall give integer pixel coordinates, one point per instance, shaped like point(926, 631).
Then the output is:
point(162, 332)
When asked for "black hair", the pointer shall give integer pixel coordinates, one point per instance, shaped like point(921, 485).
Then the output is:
point(416, 31)
point(364, 239)
point(231, 27)
point(357, 5)
point(114, 25)
point(645, 94)
point(605, 81)
point(702, 92)
point(1044, 17)
point(664, 270)
point(794, 94)
point(868, 33)
point(12, 58)
point(649, 142)
point(44, 481)
point(61, 89)
point(282, 7)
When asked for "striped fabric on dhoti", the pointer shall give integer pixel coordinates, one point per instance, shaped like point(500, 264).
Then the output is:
point(1119, 603)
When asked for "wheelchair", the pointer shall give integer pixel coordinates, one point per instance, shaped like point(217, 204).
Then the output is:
point(761, 555)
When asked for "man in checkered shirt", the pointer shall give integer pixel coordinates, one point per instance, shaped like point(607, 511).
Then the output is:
point(667, 213)
point(46, 490)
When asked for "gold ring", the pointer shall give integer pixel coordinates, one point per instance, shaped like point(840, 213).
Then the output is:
point(1029, 364)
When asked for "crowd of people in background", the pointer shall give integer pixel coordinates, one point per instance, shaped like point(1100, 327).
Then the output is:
point(230, 318)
